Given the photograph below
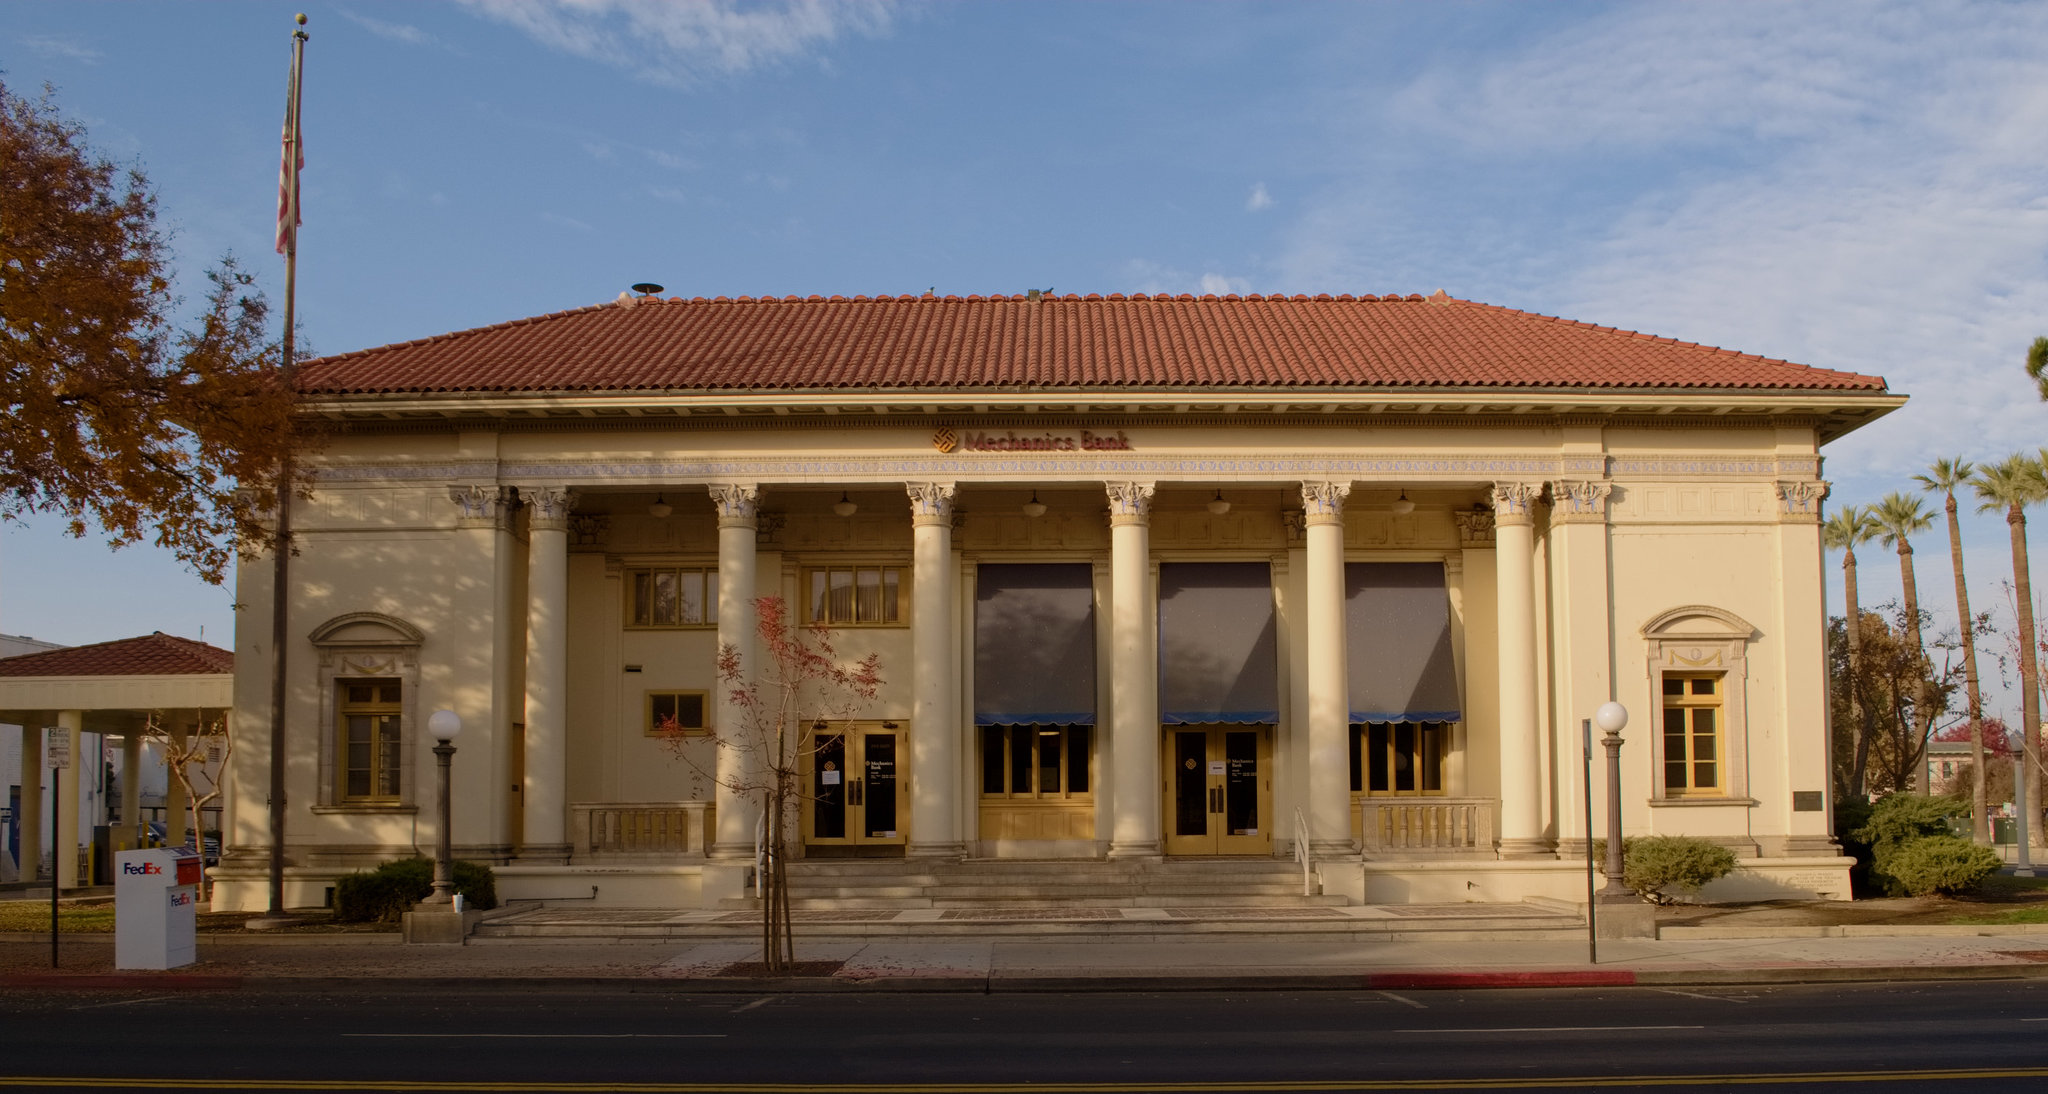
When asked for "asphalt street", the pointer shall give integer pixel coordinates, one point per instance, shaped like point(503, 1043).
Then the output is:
point(1923, 1036)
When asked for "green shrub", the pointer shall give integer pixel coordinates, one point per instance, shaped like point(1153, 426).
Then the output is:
point(1940, 864)
point(1896, 823)
point(1652, 864)
point(388, 892)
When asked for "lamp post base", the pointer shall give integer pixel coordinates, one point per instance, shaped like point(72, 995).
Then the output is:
point(436, 925)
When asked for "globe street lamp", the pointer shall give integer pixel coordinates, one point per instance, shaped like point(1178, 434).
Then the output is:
point(443, 725)
point(1612, 717)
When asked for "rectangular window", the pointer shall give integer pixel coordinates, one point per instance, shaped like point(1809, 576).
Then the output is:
point(672, 596)
point(1692, 735)
point(856, 596)
point(1035, 761)
point(371, 743)
point(1398, 757)
point(677, 712)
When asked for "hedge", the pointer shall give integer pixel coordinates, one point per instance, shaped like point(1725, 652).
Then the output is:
point(388, 892)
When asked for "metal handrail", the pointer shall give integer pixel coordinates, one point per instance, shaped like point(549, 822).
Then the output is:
point(1301, 853)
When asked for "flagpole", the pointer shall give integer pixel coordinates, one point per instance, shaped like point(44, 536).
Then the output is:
point(280, 586)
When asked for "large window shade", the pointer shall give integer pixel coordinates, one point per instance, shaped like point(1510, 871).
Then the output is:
point(1397, 630)
point(1218, 659)
point(1034, 644)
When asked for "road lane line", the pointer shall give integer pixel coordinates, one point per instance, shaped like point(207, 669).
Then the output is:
point(543, 1036)
point(1405, 999)
point(1546, 1029)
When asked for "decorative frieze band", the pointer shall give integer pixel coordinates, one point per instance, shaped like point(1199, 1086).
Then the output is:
point(1129, 502)
point(930, 502)
point(1323, 502)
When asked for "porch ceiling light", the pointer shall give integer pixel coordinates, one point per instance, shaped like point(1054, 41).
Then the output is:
point(1217, 506)
point(845, 506)
point(1034, 507)
point(661, 509)
point(1402, 506)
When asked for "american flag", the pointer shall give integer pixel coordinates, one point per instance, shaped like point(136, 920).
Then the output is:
point(291, 161)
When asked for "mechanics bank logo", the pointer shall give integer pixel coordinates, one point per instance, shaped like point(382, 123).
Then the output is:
point(141, 868)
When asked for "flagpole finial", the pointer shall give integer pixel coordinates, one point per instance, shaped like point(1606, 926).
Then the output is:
point(302, 18)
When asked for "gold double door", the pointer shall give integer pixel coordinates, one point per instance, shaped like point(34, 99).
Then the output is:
point(1219, 790)
point(857, 788)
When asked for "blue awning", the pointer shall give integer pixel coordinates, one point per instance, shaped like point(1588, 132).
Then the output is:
point(1397, 635)
point(1218, 648)
point(1034, 644)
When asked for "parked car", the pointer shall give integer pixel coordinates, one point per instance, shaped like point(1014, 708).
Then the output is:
point(159, 836)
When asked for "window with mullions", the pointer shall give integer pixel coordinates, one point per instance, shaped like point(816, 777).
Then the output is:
point(1035, 761)
point(1692, 734)
point(677, 712)
point(673, 596)
point(371, 743)
point(1398, 757)
point(856, 595)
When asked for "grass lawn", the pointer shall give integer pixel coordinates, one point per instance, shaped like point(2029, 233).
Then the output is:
point(2025, 900)
point(34, 915)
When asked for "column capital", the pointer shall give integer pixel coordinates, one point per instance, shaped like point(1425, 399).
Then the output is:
point(1475, 528)
point(589, 529)
point(930, 503)
point(1799, 502)
point(480, 506)
point(1323, 502)
point(1129, 502)
point(738, 503)
point(1579, 501)
point(548, 507)
point(1515, 502)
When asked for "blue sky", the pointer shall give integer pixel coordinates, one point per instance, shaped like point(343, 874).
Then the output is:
point(1855, 186)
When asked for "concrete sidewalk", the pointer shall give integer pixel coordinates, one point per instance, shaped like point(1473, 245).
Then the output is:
point(374, 962)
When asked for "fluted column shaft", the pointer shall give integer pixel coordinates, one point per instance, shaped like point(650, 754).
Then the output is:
point(935, 711)
point(737, 810)
point(547, 677)
point(1134, 662)
point(1329, 706)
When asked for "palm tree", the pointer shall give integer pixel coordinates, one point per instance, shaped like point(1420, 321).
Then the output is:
point(2037, 364)
point(1944, 478)
point(1849, 527)
point(2013, 484)
point(1901, 516)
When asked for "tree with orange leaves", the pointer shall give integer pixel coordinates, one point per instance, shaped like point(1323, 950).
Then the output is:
point(116, 417)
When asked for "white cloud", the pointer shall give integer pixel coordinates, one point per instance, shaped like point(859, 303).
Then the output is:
point(680, 43)
point(1260, 199)
point(566, 222)
point(670, 160)
point(403, 33)
point(1220, 284)
point(1147, 276)
point(668, 194)
point(65, 48)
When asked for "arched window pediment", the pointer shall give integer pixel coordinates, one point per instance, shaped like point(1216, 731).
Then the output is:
point(367, 630)
point(1698, 622)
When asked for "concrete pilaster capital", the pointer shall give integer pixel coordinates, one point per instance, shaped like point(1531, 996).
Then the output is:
point(1323, 502)
point(1576, 501)
point(1515, 502)
point(480, 506)
point(1799, 501)
point(931, 503)
point(1475, 528)
point(738, 503)
point(1129, 502)
point(589, 529)
point(548, 507)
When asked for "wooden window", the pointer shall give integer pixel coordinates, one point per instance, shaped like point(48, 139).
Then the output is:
point(857, 596)
point(371, 745)
point(1035, 761)
point(1398, 757)
point(1692, 735)
point(686, 711)
point(672, 596)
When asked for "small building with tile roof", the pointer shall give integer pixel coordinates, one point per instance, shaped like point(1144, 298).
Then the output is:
point(1149, 577)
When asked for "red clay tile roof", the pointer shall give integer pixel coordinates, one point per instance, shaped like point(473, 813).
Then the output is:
point(157, 654)
point(1083, 342)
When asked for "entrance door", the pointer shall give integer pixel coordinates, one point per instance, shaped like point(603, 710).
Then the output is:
point(857, 788)
point(1219, 790)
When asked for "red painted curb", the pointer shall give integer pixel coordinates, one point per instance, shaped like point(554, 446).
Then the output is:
point(119, 980)
point(1563, 978)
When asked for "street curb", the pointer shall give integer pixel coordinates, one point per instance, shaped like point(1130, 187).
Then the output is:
point(123, 981)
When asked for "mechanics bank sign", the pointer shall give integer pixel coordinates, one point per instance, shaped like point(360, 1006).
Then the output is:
point(975, 440)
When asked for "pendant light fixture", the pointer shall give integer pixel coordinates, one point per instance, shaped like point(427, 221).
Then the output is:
point(1402, 506)
point(1034, 507)
point(661, 509)
point(1217, 506)
point(845, 506)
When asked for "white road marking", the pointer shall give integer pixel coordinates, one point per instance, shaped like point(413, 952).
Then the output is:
point(1404, 999)
point(1547, 1029)
point(545, 1036)
point(761, 1002)
point(1697, 995)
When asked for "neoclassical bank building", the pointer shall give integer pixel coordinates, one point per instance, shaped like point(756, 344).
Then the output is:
point(1149, 577)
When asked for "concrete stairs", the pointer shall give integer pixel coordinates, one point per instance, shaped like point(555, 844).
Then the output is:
point(1243, 900)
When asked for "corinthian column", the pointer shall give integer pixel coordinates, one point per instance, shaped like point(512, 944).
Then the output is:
point(546, 822)
point(935, 713)
point(1521, 749)
point(738, 519)
point(1329, 706)
point(1134, 663)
